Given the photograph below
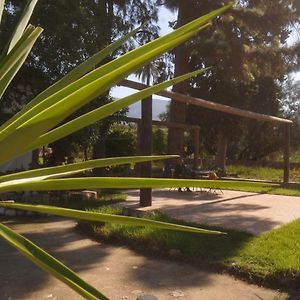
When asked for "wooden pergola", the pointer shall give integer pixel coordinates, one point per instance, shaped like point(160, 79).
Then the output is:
point(146, 124)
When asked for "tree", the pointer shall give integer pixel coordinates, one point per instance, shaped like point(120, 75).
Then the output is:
point(181, 62)
point(249, 46)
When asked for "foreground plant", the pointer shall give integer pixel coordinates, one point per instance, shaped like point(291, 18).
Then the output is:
point(41, 122)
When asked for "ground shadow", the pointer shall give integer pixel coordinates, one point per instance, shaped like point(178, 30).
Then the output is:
point(214, 209)
point(58, 236)
point(21, 277)
point(227, 215)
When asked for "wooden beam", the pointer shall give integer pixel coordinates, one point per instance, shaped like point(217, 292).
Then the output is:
point(208, 104)
point(286, 153)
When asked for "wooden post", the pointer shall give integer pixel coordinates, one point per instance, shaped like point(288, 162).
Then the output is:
point(146, 148)
point(287, 140)
point(137, 167)
point(196, 148)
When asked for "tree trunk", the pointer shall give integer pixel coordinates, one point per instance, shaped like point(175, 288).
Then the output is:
point(178, 110)
point(85, 152)
point(35, 159)
point(221, 151)
point(99, 152)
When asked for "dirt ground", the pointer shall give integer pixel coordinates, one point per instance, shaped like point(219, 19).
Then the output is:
point(116, 271)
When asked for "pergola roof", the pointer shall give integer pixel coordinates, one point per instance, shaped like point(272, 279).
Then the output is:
point(209, 104)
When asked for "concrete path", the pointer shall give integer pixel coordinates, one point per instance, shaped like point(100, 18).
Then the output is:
point(116, 271)
point(254, 213)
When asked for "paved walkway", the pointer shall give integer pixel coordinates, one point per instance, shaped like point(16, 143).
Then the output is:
point(116, 271)
point(254, 213)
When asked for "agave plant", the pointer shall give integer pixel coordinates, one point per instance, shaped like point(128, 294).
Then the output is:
point(41, 122)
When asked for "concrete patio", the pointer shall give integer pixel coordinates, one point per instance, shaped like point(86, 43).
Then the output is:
point(251, 212)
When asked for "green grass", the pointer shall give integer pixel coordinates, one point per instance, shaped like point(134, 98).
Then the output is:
point(262, 173)
point(271, 256)
point(255, 187)
point(104, 199)
point(267, 189)
point(275, 253)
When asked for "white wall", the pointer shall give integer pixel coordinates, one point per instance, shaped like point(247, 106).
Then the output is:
point(22, 162)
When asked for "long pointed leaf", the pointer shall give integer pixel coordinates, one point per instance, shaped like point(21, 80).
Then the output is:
point(18, 143)
point(21, 48)
point(117, 183)
point(5, 56)
point(23, 21)
point(100, 217)
point(9, 76)
point(82, 166)
point(1, 9)
point(49, 264)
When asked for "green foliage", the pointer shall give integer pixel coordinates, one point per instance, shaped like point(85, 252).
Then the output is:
point(121, 140)
point(159, 137)
point(45, 119)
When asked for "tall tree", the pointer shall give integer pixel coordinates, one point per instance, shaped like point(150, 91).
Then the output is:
point(247, 48)
point(181, 61)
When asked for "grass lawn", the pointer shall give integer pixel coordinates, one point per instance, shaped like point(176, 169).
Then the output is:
point(262, 173)
point(104, 198)
point(275, 253)
point(271, 256)
point(255, 187)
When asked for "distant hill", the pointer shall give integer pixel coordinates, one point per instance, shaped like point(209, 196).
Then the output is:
point(158, 106)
